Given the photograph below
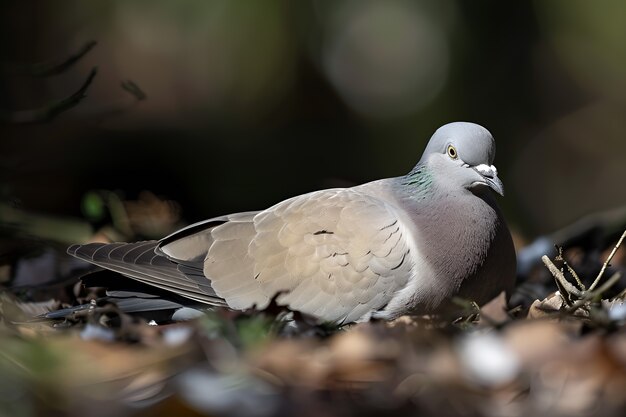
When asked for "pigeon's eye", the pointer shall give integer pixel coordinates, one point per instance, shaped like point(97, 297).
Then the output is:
point(452, 152)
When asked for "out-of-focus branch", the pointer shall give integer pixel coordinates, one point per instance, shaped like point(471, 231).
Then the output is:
point(134, 90)
point(46, 69)
point(49, 112)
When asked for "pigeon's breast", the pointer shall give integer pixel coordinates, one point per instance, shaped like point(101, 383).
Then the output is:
point(462, 248)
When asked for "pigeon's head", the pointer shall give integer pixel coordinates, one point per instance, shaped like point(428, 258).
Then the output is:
point(462, 153)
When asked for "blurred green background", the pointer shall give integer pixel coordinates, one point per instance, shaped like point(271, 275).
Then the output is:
point(248, 103)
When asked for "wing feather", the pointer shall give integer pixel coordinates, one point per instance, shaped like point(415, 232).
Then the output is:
point(139, 261)
point(328, 253)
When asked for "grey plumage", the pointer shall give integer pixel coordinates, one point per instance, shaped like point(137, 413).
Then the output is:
point(382, 249)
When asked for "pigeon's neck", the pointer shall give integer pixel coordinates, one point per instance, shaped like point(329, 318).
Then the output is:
point(417, 184)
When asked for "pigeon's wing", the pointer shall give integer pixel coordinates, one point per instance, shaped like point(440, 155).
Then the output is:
point(140, 262)
point(337, 254)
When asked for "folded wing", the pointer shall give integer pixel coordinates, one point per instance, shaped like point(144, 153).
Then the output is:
point(336, 254)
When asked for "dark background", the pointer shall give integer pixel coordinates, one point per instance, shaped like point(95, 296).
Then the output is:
point(249, 103)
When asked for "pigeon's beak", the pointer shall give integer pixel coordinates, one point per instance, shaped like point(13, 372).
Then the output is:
point(490, 178)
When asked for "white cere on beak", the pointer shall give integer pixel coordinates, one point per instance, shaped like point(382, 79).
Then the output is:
point(487, 170)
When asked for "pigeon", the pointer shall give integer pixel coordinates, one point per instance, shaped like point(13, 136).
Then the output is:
point(391, 247)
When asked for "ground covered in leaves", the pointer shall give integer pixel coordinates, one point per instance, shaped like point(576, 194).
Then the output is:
point(559, 347)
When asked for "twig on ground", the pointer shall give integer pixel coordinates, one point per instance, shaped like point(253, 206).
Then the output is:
point(608, 260)
point(558, 275)
point(582, 298)
point(560, 257)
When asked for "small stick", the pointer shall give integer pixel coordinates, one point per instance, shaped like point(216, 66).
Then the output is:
point(571, 270)
point(608, 284)
point(575, 275)
point(558, 275)
point(591, 295)
point(606, 263)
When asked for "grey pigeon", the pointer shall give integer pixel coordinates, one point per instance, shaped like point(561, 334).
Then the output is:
point(404, 245)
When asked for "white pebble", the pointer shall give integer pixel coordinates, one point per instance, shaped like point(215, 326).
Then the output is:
point(487, 359)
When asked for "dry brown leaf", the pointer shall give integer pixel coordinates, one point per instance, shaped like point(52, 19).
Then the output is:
point(546, 308)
